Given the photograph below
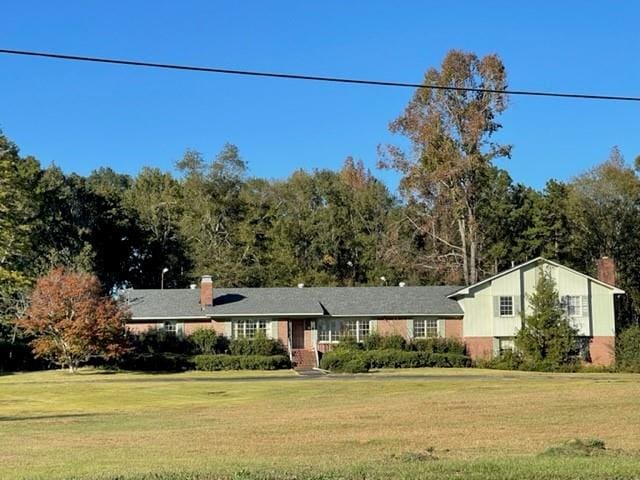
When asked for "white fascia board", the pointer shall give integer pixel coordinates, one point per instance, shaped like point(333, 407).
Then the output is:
point(466, 290)
point(171, 317)
point(253, 315)
point(396, 315)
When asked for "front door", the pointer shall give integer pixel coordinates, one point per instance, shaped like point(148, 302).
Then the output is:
point(297, 334)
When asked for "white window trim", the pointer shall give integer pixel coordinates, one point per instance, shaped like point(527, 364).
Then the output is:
point(425, 328)
point(237, 322)
point(580, 306)
point(341, 321)
point(513, 306)
point(170, 327)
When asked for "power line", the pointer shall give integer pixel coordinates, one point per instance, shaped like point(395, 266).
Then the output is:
point(315, 78)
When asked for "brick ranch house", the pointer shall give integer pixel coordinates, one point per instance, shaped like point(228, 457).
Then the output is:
point(309, 320)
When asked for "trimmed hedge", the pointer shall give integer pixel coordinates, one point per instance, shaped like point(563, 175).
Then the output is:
point(156, 362)
point(260, 345)
point(438, 345)
point(212, 363)
point(340, 360)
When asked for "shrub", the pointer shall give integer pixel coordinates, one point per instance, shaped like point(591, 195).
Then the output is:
point(393, 342)
point(355, 365)
point(156, 362)
point(372, 342)
point(628, 350)
point(157, 340)
point(509, 360)
point(392, 358)
point(439, 345)
point(241, 362)
point(346, 361)
point(205, 340)
point(259, 345)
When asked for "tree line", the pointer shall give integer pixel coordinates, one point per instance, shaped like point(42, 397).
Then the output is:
point(456, 218)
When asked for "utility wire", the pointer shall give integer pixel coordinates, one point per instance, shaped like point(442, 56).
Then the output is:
point(315, 78)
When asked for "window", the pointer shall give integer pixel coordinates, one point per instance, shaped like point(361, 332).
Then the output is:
point(572, 305)
point(424, 328)
point(506, 345)
point(249, 328)
point(170, 328)
point(332, 331)
point(506, 306)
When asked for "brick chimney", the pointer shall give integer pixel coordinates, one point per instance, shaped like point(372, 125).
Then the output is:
point(606, 270)
point(206, 291)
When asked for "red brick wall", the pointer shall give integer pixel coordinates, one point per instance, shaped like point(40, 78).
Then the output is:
point(283, 331)
point(393, 327)
point(218, 326)
point(453, 328)
point(606, 270)
point(601, 350)
point(479, 347)
point(325, 347)
point(191, 327)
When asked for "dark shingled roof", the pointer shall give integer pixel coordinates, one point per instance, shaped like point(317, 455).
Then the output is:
point(308, 301)
point(167, 303)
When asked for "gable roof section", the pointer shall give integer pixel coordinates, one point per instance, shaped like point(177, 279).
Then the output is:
point(466, 290)
point(295, 302)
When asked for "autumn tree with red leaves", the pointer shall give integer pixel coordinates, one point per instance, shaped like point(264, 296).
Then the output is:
point(72, 321)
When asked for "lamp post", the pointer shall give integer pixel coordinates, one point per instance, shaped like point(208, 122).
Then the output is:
point(164, 270)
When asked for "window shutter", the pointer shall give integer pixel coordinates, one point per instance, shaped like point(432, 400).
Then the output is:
point(272, 329)
point(410, 328)
point(227, 329)
point(373, 326)
point(585, 306)
point(180, 329)
point(564, 303)
point(516, 305)
point(496, 306)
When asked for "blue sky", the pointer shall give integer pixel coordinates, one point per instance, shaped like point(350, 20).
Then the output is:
point(82, 116)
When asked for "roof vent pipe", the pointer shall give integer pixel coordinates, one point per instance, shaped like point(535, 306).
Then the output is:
point(402, 284)
point(301, 285)
point(193, 286)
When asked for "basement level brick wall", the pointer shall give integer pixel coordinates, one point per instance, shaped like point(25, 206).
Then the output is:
point(601, 350)
point(479, 348)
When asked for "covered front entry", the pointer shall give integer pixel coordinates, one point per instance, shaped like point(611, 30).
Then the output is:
point(302, 343)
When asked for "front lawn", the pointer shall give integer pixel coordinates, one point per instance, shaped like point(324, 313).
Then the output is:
point(426, 423)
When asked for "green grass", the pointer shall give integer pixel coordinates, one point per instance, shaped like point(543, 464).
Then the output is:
point(427, 423)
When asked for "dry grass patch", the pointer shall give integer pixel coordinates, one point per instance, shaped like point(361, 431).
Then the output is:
point(55, 424)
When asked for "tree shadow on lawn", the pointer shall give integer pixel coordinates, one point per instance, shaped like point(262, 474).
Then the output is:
point(20, 418)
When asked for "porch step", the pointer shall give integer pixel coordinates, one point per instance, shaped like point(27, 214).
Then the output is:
point(303, 359)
